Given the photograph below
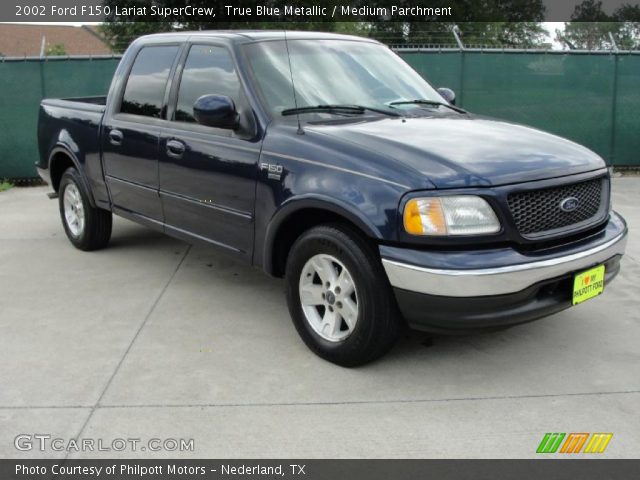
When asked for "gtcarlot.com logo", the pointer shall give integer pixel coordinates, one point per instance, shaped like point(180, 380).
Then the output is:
point(44, 442)
point(574, 443)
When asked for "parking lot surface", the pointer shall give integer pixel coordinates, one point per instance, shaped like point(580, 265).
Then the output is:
point(153, 338)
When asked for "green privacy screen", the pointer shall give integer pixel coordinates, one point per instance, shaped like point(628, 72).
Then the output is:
point(626, 135)
point(593, 99)
point(22, 85)
point(20, 93)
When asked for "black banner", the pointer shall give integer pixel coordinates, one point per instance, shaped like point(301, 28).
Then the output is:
point(234, 11)
point(543, 468)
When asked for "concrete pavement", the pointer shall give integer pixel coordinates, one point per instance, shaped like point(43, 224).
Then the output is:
point(152, 338)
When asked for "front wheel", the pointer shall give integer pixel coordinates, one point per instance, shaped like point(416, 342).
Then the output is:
point(339, 298)
point(87, 227)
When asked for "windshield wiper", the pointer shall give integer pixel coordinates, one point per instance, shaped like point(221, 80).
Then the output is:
point(424, 101)
point(355, 109)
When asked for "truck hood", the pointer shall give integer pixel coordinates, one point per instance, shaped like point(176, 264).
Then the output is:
point(468, 151)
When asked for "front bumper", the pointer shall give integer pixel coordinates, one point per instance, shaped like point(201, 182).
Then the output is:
point(459, 290)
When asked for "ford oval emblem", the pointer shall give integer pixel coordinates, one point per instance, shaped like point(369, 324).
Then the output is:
point(569, 204)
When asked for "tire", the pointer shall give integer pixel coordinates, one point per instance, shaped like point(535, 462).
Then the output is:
point(325, 318)
point(87, 228)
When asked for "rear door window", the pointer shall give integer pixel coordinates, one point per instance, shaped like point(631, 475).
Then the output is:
point(147, 82)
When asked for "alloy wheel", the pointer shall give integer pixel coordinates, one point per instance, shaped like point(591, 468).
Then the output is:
point(329, 297)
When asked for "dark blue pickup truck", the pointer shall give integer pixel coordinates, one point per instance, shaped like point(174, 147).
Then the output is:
point(327, 160)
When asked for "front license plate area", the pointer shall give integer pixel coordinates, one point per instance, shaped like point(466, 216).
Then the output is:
point(588, 284)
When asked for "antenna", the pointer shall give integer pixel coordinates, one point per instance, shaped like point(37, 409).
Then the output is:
point(293, 85)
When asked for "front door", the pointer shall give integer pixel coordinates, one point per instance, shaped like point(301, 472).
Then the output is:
point(208, 175)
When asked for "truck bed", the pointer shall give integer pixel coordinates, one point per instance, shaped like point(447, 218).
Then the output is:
point(75, 125)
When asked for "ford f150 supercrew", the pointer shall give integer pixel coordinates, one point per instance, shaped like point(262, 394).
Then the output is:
point(325, 159)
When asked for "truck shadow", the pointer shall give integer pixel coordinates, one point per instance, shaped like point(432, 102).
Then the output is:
point(128, 235)
point(206, 266)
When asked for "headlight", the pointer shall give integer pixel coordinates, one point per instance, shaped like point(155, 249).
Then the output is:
point(452, 215)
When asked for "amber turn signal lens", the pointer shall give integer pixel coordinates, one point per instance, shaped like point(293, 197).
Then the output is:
point(424, 216)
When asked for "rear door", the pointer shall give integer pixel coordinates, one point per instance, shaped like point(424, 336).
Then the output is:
point(208, 175)
point(130, 135)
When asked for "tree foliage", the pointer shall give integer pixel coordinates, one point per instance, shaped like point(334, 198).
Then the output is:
point(505, 23)
point(496, 23)
point(121, 31)
point(591, 28)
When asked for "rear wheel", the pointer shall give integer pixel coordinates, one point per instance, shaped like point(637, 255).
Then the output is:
point(87, 227)
point(338, 296)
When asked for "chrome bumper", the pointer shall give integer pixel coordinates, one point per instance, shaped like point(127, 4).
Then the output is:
point(505, 279)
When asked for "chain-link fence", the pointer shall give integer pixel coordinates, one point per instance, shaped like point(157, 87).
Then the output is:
point(592, 36)
point(95, 40)
point(590, 97)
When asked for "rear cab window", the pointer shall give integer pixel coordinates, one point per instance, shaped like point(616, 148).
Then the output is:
point(144, 92)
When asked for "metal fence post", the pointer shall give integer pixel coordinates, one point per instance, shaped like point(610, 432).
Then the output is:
point(43, 89)
point(455, 32)
point(614, 106)
point(614, 98)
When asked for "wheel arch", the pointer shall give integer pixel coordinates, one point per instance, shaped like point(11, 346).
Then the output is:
point(60, 159)
point(296, 217)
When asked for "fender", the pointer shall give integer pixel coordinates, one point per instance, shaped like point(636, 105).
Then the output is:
point(61, 148)
point(319, 202)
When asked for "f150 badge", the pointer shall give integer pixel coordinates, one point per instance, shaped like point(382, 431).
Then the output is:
point(274, 171)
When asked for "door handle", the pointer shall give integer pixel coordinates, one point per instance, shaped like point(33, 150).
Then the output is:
point(175, 148)
point(115, 137)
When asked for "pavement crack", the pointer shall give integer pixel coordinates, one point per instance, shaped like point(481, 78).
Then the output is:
point(376, 402)
point(131, 343)
point(45, 407)
point(632, 258)
point(315, 404)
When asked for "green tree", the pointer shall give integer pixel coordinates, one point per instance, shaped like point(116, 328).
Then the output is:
point(504, 34)
point(591, 28)
point(507, 27)
point(120, 34)
point(122, 31)
point(491, 34)
point(628, 35)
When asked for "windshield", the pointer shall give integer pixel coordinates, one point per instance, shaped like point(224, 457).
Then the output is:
point(334, 72)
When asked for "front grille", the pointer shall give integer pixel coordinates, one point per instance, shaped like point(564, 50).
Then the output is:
point(537, 212)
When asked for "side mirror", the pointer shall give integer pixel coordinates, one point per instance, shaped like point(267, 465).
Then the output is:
point(216, 111)
point(448, 94)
